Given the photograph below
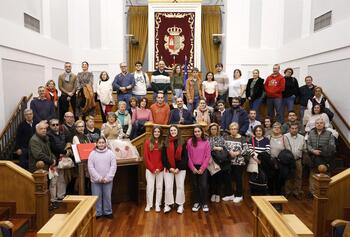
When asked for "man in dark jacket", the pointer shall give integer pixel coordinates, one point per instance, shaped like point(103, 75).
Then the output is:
point(25, 131)
point(235, 114)
point(180, 115)
point(306, 92)
point(39, 147)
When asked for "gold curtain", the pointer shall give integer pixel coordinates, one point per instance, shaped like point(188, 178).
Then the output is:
point(138, 26)
point(211, 24)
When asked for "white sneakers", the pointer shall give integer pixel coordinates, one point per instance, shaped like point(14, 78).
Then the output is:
point(238, 199)
point(157, 209)
point(180, 209)
point(196, 207)
point(147, 208)
point(215, 198)
point(167, 208)
point(205, 208)
point(228, 198)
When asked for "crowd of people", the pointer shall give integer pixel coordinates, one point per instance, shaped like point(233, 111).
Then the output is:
point(227, 140)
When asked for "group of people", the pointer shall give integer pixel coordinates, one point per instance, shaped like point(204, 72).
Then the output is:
point(226, 140)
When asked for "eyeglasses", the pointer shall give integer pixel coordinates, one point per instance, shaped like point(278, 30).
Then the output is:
point(55, 124)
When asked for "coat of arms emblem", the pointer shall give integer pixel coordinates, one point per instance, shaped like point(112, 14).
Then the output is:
point(174, 42)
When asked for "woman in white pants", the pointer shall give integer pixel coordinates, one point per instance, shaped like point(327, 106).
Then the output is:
point(154, 168)
point(174, 157)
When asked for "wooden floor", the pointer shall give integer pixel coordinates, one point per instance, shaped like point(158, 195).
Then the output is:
point(223, 219)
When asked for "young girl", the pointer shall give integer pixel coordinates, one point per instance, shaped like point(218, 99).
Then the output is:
point(154, 168)
point(102, 166)
point(174, 157)
point(198, 158)
point(210, 89)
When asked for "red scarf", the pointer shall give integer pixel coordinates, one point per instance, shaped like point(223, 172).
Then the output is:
point(48, 96)
point(171, 153)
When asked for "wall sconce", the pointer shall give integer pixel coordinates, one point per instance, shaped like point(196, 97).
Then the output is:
point(132, 40)
point(217, 39)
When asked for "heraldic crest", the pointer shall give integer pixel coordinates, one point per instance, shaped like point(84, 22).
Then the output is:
point(174, 42)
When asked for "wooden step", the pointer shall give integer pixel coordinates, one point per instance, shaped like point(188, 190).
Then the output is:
point(20, 226)
point(4, 213)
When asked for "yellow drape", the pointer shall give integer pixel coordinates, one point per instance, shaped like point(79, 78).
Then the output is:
point(138, 26)
point(211, 24)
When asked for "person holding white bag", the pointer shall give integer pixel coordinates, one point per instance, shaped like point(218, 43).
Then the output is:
point(104, 93)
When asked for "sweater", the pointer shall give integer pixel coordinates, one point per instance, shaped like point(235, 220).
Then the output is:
point(102, 164)
point(104, 92)
point(84, 78)
point(222, 79)
point(67, 86)
point(291, 87)
point(316, 141)
point(160, 113)
point(160, 81)
point(176, 82)
point(274, 86)
point(198, 155)
point(123, 80)
point(236, 144)
point(141, 83)
point(142, 114)
point(42, 109)
point(153, 159)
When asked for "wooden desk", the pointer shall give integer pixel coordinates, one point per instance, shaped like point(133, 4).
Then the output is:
point(128, 181)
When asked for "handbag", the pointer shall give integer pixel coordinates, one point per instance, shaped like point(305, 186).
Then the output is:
point(65, 163)
point(213, 168)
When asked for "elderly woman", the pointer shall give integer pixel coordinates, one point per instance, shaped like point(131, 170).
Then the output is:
point(124, 118)
point(317, 112)
point(202, 113)
point(113, 132)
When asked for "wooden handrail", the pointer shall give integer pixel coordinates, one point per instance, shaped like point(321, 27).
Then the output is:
point(340, 177)
point(26, 174)
point(337, 112)
point(14, 113)
point(269, 222)
point(79, 221)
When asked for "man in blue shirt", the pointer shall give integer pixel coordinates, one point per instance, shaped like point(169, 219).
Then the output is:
point(123, 84)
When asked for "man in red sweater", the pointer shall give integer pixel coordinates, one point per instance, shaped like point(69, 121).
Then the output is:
point(274, 86)
point(160, 110)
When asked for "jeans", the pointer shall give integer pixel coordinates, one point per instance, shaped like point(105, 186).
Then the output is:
point(223, 97)
point(57, 186)
point(302, 110)
point(289, 103)
point(104, 201)
point(169, 187)
point(274, 105)
point(63, 106)
point(178, 93)
point(200, 187)
point(193, 106)
point(237, 173)
point(125, 97)
point(155, 97)
point(151, 178)
point(256, 106)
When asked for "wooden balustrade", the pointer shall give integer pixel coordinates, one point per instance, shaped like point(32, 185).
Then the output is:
point(269, 222)
point(331, 199)
point(8, 134)
point(28, 191)
point(78, 221)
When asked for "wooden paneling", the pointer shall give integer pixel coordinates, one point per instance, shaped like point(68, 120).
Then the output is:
point(17, 185)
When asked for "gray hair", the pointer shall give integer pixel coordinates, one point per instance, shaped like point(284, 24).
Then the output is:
point(53, 120)
point(121, 103)
point(28, 110)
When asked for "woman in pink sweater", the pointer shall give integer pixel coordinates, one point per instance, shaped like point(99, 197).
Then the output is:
point(139, 117)
point(198, 149)
point(102, 165)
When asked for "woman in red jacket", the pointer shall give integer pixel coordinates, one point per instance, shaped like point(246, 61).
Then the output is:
point(174, 156)
point(154, 168)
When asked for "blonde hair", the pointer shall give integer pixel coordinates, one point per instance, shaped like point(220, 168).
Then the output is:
point(234, 125)
point(79, 122)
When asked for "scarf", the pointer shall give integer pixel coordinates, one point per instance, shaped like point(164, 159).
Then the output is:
point(51, 95)
point(171, 153)
point(67, 76)
point(121, 117)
